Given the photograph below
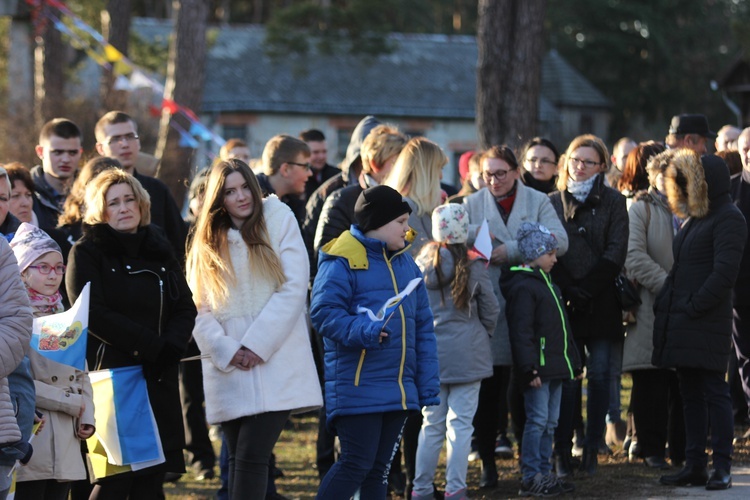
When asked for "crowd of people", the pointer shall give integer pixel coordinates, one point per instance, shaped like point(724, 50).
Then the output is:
point(362, 293)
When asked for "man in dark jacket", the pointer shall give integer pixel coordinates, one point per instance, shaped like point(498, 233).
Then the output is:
point(60, 150)
point(350, 170)
point(693, 323)
point(117, 137)
point(321, 170)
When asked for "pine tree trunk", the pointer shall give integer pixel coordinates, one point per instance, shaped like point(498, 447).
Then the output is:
point(116, 29)
point(511, 44)
point(185, 76)
point(49, 76)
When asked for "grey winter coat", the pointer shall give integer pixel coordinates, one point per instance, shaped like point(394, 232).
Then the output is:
point(463, 336)
point(648, 262)
point(15, 333)
point(529, 206)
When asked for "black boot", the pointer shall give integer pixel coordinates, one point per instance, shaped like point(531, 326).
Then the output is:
point(563, 465)
point(689, 476)
point(489, 474)
point(589, 462)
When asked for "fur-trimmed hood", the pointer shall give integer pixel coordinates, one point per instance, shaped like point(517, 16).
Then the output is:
point(685, 185)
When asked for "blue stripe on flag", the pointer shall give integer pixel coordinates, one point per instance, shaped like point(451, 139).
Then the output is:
point(138, 439)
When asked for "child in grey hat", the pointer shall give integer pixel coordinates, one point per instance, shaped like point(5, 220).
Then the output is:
point(544, 354)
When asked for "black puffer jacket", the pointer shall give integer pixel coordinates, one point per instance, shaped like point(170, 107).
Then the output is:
point(597, 246)
point(540, 335)
point(693, 310)
point(141, 313)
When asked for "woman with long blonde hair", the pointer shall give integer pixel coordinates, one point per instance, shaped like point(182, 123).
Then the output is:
point(416, 176)
point(248, 270)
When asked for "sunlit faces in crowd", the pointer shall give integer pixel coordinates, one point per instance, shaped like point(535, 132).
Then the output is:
point(540, 162)
point(123, 210)
point(21, 201)
point(499, 176)
point(4, 195)
point(120, 141)
point(546, 262)
point(318, 154)
point(60, 157)
point(393, 233)
point(238, 198)
point(297, 172)
point(45, 274)
point(584, 163)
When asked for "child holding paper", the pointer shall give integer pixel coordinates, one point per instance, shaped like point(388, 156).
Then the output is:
point(63, 393)
point(466, 310)
point(376, 372)
point(544, 353)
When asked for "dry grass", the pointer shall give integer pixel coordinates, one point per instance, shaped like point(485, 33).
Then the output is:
point(295, 455)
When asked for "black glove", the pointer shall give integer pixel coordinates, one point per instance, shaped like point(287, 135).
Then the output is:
point(579, 298)
point(526, 377)
point(169, 355)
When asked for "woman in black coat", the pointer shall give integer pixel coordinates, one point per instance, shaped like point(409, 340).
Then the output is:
point(596, 220)
point(693, 325)
point(141, 313)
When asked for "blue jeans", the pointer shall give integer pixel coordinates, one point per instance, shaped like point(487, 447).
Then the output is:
point(542, 406)
point(614, 412)
point(598, 376)
point(368, 443)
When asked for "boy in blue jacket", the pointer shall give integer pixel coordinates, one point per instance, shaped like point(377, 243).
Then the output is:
point(376, 372)
point(544, 354)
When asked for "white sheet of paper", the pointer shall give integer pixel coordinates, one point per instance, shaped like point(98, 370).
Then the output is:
point(483, 241)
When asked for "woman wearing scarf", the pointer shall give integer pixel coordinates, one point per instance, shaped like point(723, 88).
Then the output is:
point(596, 221)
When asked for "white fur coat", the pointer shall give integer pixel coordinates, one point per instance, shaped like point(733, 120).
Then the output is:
point(271, 324)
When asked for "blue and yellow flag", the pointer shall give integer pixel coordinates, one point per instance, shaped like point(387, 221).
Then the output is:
point(62, 337)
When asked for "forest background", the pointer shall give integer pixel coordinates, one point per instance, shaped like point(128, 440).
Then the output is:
point(651, 58)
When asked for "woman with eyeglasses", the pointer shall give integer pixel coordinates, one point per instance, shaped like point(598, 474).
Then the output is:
point(505, 203)
point(141, 313)
point(540, 159)
point(596, 220)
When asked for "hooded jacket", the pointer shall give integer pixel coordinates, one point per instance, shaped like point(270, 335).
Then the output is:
point(540, 334)
point(693, 310)
point(362, 374)
point(463, 336)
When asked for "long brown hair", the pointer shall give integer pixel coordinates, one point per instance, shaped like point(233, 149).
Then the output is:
point(460, 292)
point(209, 268)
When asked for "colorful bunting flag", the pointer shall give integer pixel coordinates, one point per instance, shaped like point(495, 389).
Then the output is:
point(62, 337)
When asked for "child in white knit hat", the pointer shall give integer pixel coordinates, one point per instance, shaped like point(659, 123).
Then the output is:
point(465, 312)
point(63, 393)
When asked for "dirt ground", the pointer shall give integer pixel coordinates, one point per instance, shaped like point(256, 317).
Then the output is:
point(295, 453)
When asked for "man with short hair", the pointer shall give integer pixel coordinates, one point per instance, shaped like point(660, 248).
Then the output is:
point(689, 131)
point(286, 170)
point(117, 137)
point(378, 154)
point(235, 148)
point(620, 152)
point(60, 150)
point(321, 170)
point(726, 138)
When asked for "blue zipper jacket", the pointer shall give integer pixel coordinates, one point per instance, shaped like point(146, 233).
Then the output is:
point(362, 374)
point(540, 335)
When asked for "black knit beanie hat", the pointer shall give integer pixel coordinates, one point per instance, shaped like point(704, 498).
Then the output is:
point(377, 206)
